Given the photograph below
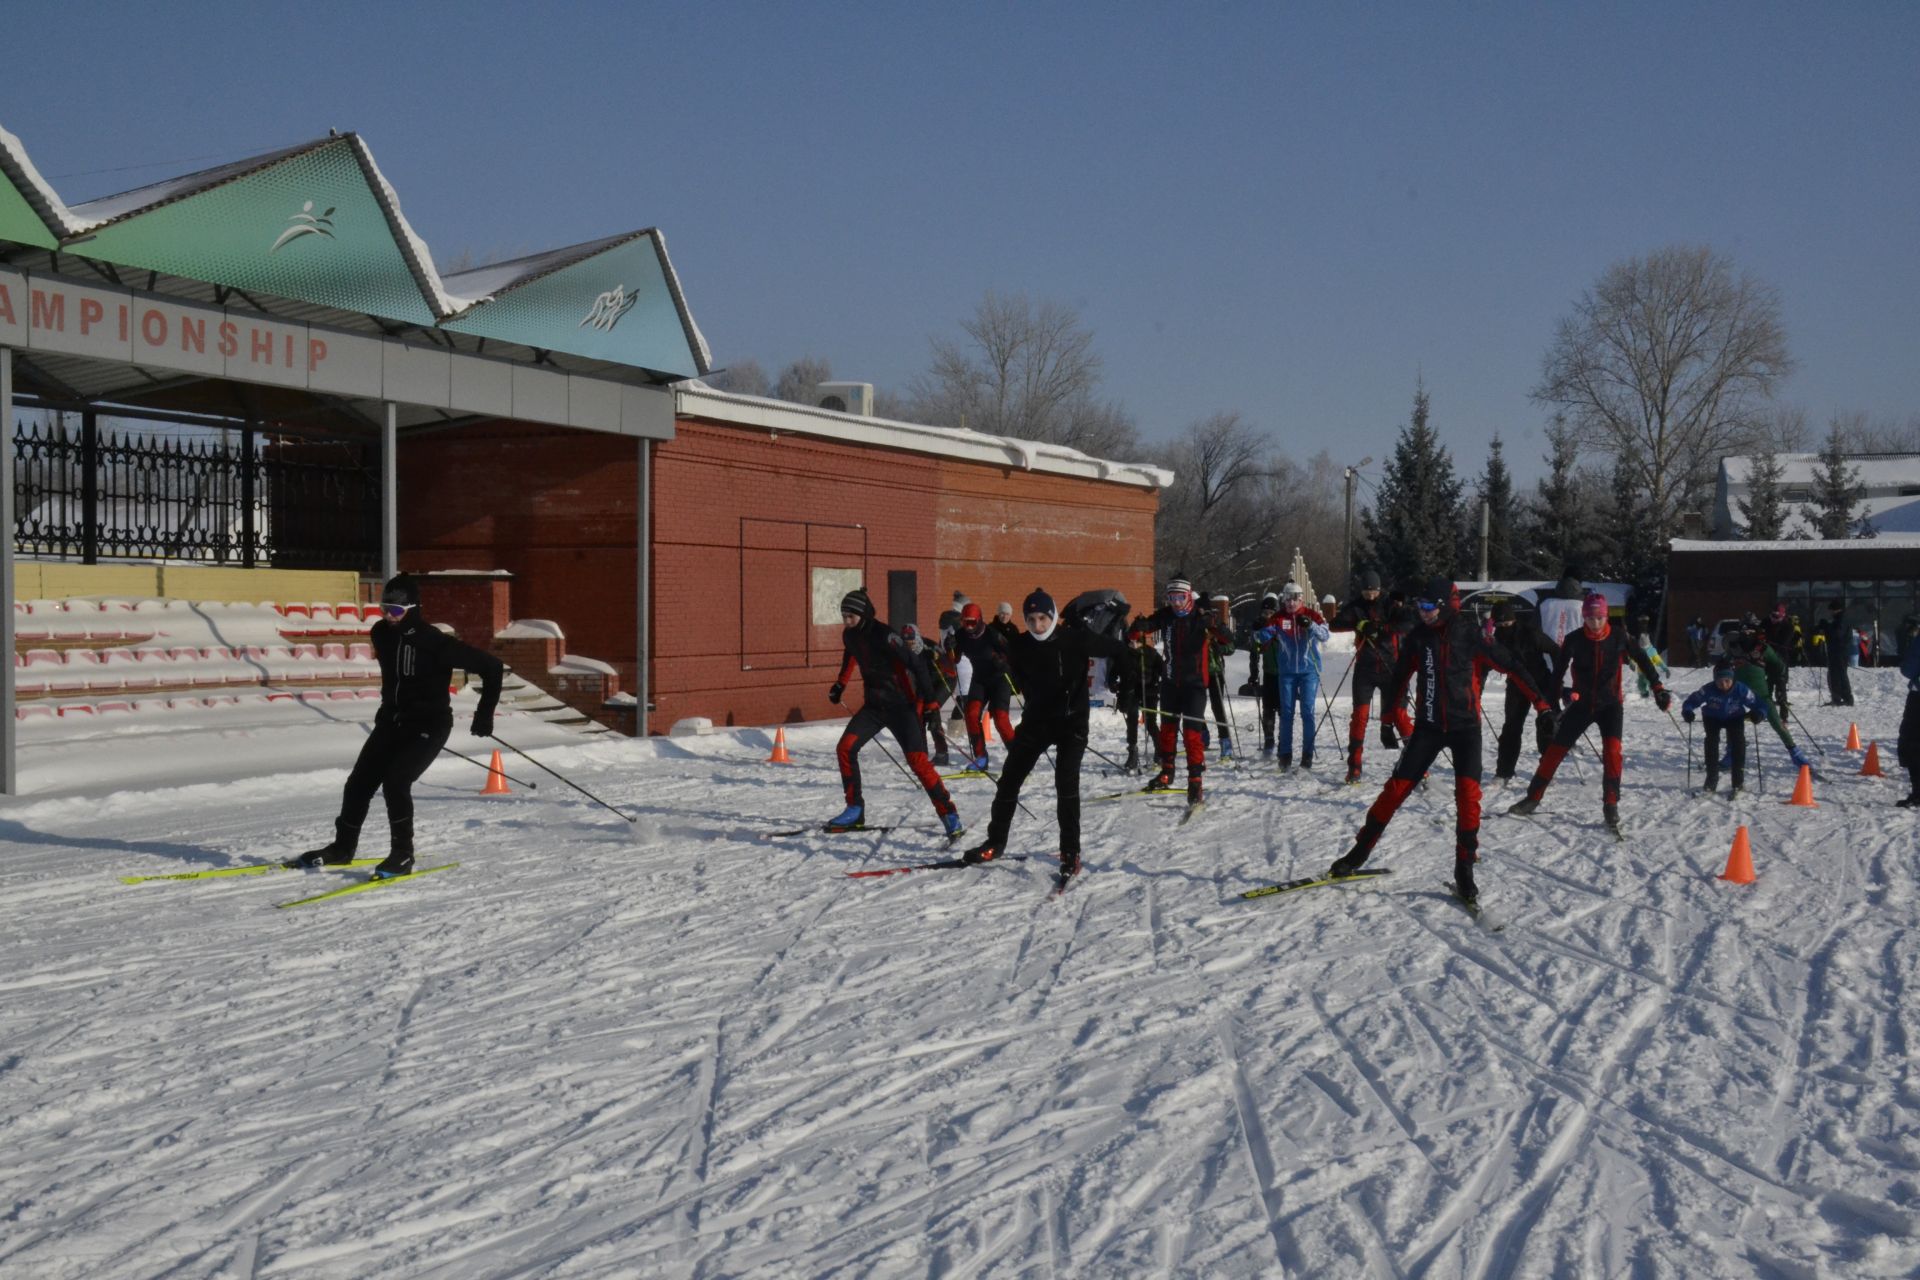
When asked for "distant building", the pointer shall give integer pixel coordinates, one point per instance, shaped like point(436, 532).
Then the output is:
point(1878, 579)
point(1891, 501)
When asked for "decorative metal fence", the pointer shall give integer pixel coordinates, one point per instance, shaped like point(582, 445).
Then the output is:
point(241, 497)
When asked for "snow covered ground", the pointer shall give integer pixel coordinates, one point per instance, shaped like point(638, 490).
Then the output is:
point(705, 1053)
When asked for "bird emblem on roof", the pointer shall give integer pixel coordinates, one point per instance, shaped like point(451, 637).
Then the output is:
point(306, 223)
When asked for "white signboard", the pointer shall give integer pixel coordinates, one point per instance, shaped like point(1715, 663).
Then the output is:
point(829, 587)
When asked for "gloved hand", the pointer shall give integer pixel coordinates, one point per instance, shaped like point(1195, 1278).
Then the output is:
point(1551, 719)
point(1754, 717)
point(834, 691)
point(1661, 698)
point(483, 724)
point(1543, 705)
point(1687, 716)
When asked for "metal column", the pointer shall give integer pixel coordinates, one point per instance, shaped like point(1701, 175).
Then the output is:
point(643, 648)
point(9, 780)
point(390, 493)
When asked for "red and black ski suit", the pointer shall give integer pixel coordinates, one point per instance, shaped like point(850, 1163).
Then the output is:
point(1594, 662)
point(1376, 650)
point(1186, 641)
point(1448, 658)
point(990, 692)
point(893, 702)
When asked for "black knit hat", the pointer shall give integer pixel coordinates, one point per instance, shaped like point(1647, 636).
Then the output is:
point(1439, 590)
point(1370, 581)
point(857, 602)
point(1723, 667)
point(401, 589)
point(1038, 601)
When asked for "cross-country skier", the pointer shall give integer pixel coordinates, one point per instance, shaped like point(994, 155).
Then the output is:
point(1535, 652)
point(991, 691)
point(1593, 655)
point(1446, 653)
point(1376, 648)
point(892, 703)
point(1217, 656)
point(1757, 665)
point(928, 673)
point(1136, 677)
point(1295, 635)
point(1050, 662)
point(1726, 705)
point(1003, 622)
point(417, 662)
point(1261, 682)
point(1187, 632)
point(1560, 612)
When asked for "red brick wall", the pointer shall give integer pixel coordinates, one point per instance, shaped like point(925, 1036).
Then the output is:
point(556, 507)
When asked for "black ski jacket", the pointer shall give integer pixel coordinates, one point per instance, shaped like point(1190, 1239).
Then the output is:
point(1377, 644)
point(1449, 660)
point(417, 662)
point(1136, 670)
point(1536, 655)
point(885, 666)
point(1053, 672)
point(1596, 663)
point(986, 651)
point(1186, 642)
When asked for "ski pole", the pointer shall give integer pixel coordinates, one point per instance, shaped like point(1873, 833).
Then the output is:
point(1327, 697)
point(531, 786)
point(1689, 755)
point(1803, 728)
point(991, 776)
point(569, 781)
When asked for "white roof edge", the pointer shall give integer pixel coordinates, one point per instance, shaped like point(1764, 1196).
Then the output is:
point(444, 303)
point(1796, 544)
point(697, 400)
point(702, 352)
point(23, 164)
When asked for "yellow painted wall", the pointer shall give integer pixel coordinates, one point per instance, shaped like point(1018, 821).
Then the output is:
point(35, 580)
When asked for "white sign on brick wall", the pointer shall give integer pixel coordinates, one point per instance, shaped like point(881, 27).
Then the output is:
point(829, 587)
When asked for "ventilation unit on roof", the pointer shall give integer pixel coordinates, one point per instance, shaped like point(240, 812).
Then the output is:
point(845, 397)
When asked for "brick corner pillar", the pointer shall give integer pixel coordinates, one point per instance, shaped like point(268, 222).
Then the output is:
point(476, 604)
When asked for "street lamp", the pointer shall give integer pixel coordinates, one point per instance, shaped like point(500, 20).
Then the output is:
point(1353, 473)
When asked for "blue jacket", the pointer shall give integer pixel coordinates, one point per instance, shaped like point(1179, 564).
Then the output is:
point(1724, 708)
point(1292, 642)
point(1910, 665)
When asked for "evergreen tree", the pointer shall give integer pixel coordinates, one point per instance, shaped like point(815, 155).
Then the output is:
point(1414, 529)
point(1764, 508)
point(1630, 548)
point(1837, 492)
point(1496, 490)
point(1559, 527)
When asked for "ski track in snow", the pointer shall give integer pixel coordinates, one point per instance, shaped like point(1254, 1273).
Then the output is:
point(692, 1051)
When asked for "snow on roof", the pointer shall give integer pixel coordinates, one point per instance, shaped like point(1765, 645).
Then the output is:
point(1877, 470)
point(18, 165)
point(698, 400)
point(1885, 540)
point(91, 214)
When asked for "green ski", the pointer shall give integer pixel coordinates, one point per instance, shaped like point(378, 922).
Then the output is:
point(361, 885)
point(251, 869)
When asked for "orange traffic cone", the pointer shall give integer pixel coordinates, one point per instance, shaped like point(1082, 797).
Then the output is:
point(1871, 769)
point(496, 778)
point(1853, 737)
point(1803, 789)
point(779, 755)
point(1739, 860)
point(986, 724)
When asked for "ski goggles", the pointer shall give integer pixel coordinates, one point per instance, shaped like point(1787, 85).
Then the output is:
point(1180, 599)
point(1427, 606)
point(395, 611)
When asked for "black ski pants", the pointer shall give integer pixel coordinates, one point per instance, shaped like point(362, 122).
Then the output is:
point(1215, 694)
point(1909, 748)
point(1736, 731)
point(1839, 683)
point(1135, 705)
point(1574, 722)
point(903, 722)
point(1513, 731)
point(1068, 738)
point(391, 760)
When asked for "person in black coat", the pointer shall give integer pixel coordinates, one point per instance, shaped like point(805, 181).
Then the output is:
point(896, 690)
point(1135, 678)
point(1051, 663)
point(1536, 653)
point(1840, 646)
point(1187, 636)
point(1376, 643)
point(417, 662)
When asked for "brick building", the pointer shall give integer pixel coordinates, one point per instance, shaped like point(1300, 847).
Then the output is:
point(761, 514)
point(1878, 580)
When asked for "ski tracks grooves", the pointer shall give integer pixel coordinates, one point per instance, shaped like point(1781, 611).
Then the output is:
point(1253, 1136)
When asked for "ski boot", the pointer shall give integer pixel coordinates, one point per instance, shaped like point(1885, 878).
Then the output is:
point(1734, 790)
point(1285, 763)
point(1463, 884)
point(978, 764)
point(1069, 868)
point(1133, 761)
point(978, 854)
point(941, 759)
point(1353, 777)
point(1266, 749)
point(396, 864)
point(1712, 784)
point(1348, 863)
point(852, 818)
point(1911, 802)
point(1524, 806)
point(1306, 759)
point(951, 821)
point(1196, 800)
point(1162, 781)
point(1226, 747)
point(337, 852)
point(1610, 814)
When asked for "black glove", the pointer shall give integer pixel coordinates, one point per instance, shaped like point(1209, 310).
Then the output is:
point(1661, 698)
point(483, 724)
point(1551, 719)
point(834, 692)
point(1754, 717)
point(1687, 716)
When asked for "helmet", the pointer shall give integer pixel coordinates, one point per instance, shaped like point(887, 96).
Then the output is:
point(1291, 591)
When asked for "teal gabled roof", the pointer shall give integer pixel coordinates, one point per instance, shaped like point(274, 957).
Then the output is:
point(318, 223)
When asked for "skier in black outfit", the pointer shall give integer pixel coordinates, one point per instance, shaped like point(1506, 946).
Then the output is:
point(417, 662)
point(1449, 653)
point(1376, 649)
point(1536, 653)
point(1909, 740)
point(1187, 633)
point(893, 703)
point(990, 690)
point(1050, 662)
point(1840, 644)
point(928, 674)
point(1136, 678)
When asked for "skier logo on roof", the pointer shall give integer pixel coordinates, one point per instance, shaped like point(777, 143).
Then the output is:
point(305, 223)
point(608, 308)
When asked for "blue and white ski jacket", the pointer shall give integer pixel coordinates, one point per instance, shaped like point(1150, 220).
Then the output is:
point(1724, 706)
point(1292, 642)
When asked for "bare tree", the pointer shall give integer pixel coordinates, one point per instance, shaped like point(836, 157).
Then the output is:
point(1024, 370)
point(799, 380)
point(1784, 430)
point(1857, 433)
point(1666, 364)
point(742, 377)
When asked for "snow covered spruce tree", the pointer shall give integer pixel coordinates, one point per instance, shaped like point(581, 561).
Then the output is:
point(1495, 489)
point(1837, 493)
point(1415, 526)
point(1765, 507)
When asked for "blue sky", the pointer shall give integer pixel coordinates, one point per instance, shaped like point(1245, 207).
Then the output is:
point(1289, 210)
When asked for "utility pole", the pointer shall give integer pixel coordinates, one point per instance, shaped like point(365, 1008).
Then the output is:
point(1485, 522)
point(1353, 473)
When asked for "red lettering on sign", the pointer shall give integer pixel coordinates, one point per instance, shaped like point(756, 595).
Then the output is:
point(91, 314)
point(124, 320)
point(316, 353)
point(229, 339)
point(261, 349)
point(6, 305)
point(289, 351)
point(153, 328)
point(193, 334)
point(50, 311)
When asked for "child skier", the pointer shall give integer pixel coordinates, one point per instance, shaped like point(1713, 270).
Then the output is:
point(1757, 665)
point(1186, 634)
point(1376, 648)
point(1135, 678)
point(929, 673)
point(1217, 656)
point(1535, 652)
point(1726, 705)
point(1050, 662)
point(984, 646)
point(1295, 635)
point(893, 702)
point(1594, 655)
